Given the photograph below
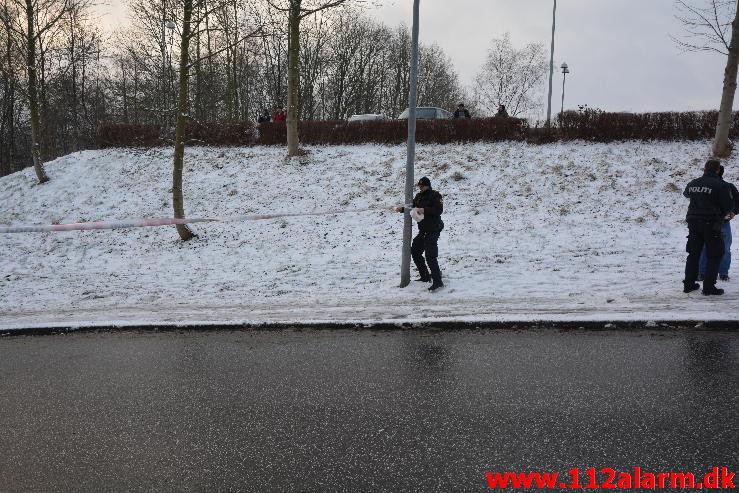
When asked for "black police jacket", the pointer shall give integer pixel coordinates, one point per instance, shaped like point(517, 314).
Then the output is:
point(710, 197)
point(735, 196)
point(433, 206)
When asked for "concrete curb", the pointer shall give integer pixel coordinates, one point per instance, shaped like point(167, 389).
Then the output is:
point(651, 325)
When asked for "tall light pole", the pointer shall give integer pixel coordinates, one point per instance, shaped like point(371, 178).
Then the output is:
point(164, 63)
point(551, 67)
point(405, 265)
point(565, 71)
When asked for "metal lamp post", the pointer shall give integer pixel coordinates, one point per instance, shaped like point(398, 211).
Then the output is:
point(565, 71)
point(405, 266)
point(551, 67)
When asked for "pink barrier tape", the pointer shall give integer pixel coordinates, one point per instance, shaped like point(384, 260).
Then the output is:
point(167, 221)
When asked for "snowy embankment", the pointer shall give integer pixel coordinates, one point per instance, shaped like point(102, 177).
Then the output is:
point(567, 231)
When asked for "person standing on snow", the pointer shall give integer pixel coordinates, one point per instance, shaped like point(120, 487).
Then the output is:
point(725, 264)
point(427, 207)
point(710, 204)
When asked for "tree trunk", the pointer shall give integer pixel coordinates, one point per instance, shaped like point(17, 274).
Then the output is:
point(721, 145)
point(293, 78)
point(38, 165)
point(182, 117)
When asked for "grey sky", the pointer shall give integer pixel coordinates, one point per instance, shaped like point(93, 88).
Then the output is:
point(620, 53)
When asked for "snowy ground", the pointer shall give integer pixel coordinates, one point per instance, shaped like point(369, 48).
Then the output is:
point(567, 231)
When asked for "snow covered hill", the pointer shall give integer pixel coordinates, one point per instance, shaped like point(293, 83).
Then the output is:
point(567, 231)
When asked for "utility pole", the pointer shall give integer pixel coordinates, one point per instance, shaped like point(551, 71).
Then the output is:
point(551, 68)
point(405, 266)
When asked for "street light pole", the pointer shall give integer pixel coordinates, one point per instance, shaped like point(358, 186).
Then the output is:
point(565, 71)
point(551, 68)
point(405, 266)
point(164, 63)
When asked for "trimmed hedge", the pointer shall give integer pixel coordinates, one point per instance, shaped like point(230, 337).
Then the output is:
point(586, 124)
point(128, 135)
point(333, 132)
point(597, 125)
point(329, 132)
point(135, 135)
point(230, 133)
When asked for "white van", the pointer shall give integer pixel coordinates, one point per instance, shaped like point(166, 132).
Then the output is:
point(427, 113)
point(365, 117)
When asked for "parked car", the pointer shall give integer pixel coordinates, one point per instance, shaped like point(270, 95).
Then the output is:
point(428, 113)
point(364, 117)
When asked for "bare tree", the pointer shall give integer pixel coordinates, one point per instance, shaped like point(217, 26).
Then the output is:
point(191, 25)
point(714, 26)
point(296, 11)
point(37, 17)
point(11, 87)
point(707, 27)
point(511, 77)
point(439, 83)
point(349, 64)
point(183, 109)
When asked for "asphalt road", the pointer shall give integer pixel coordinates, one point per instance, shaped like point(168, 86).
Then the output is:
point(359, 410)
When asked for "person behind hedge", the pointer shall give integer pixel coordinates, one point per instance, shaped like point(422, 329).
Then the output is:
point(427, 208)
point(502, 113)
point(264, 117)
point(280, 115)
point(710, 203)
point(461, 112)
point(723, 266)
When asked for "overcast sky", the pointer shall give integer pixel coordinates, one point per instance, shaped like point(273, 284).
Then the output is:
point(620, 53)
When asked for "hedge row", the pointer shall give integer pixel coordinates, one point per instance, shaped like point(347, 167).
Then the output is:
point(128, 135)
point(315, 132)
point(597, 125)
point(393, 131)
point(136, 135)
point(587, 124)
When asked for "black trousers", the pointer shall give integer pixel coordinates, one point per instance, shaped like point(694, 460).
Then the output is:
point(703, 232)
point(426, 242)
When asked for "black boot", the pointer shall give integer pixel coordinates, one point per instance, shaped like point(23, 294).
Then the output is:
point(437, 282)
point(690, 286)
point(436, 285)
point(712, 290)
point(435, 274)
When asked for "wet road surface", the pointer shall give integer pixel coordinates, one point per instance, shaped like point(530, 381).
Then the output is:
point(359, 410)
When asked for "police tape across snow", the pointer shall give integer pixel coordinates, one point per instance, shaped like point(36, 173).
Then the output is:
point(168, 221)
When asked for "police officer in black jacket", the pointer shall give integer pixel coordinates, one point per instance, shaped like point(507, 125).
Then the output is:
point(710, 204)
point(429, 204)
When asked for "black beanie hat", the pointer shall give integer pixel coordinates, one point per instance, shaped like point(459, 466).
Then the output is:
point(425, 182)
